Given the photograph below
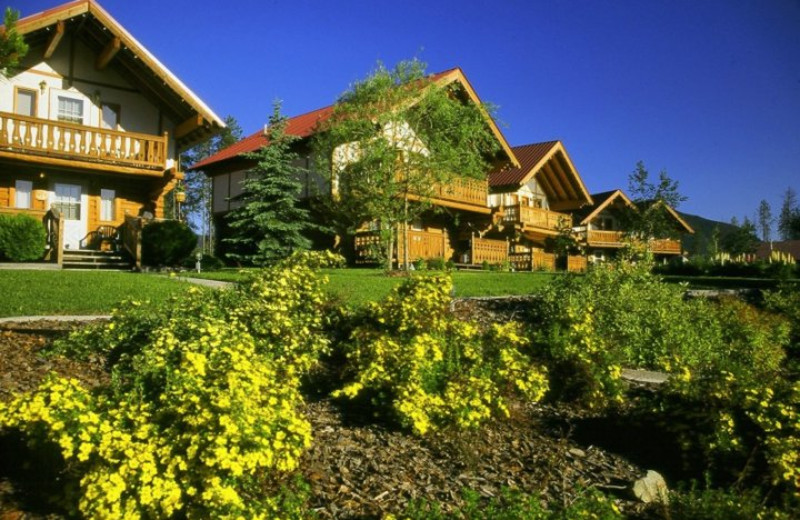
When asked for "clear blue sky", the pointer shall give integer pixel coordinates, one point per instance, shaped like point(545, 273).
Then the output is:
point(708, 90)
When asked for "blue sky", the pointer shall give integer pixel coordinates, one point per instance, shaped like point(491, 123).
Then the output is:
point(708, 90)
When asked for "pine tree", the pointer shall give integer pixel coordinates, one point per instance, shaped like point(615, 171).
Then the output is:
point(12, 45)
point(765, 220)
point(269, 225)
point(789, 218)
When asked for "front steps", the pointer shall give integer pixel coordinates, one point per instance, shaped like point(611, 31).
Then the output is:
point(91, 259)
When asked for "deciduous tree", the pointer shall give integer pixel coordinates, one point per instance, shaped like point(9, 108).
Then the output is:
point(653, 200)
point(394, 138)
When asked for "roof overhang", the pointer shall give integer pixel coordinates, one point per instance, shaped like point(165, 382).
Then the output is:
point(118, 49)
point(456, 75)
point(558, 177)
point(617, 195)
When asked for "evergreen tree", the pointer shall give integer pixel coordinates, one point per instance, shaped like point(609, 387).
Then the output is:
point(789, 218)
point(741, 240)
point(12, 45)
point(765, 220)
point(269, 225)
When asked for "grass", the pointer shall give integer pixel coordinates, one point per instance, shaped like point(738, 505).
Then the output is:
point(40, 293)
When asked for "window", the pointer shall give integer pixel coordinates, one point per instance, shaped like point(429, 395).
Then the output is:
point(68, 201)
point(25, 103)
point(107, 198)
point(70, 110)
point(110, 116)
point(23, 191)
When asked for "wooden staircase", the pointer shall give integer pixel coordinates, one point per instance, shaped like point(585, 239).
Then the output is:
point(92, 259)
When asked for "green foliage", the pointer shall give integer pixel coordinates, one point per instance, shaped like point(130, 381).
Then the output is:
point(12, 45)
point(718, 504)
point(395, 134)
point(22, 238)
point(789, 217)
point(742, 240)
point(515, 505)
point(433, 370)
point(652, 217)
point(167, 243)
point(203, 411)
point(621, 315)
point(269, 224)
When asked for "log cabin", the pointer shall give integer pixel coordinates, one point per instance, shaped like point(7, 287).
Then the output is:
point(602, 228)
point(91, 129)
point(450, 231)
point(533, 203)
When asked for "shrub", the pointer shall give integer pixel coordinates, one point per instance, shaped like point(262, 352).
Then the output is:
point(167, 243)
point(432, 370)
point(204, 406)
point(207, 262)
point(22, 238)
point(720, 504)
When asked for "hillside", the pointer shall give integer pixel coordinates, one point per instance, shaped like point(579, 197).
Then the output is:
point(703, 228)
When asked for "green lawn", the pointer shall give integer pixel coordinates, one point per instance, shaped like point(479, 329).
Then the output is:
point(35, 293)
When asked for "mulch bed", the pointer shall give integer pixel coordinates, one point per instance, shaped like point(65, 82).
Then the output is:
point(364, 469)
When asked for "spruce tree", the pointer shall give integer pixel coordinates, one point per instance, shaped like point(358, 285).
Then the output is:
point(12, 45)
point(269, 225)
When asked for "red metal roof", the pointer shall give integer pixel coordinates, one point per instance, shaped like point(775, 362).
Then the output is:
point(529, 156)
point(300, 126)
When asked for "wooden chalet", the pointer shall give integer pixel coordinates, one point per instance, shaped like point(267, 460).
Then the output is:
point(433, 236)
point(601, 227)
point(91, 128)
point(533, 202)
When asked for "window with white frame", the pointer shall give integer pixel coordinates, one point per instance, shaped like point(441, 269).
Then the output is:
point(70, 109)
point(22, 190)
point(107, 198)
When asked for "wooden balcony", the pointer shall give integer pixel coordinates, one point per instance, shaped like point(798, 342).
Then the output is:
point(535, 217)
point(65, 144)
point(462, 193)
point(595, 238)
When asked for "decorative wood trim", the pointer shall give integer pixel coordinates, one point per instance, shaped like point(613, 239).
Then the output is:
point(78, 164)
point(111, 50)
point(605, 204)
point(55, 39)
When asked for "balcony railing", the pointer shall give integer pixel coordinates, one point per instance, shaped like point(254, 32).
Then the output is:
point(535, 217)
point(467, 191)
point(73, 141)
point(616, 239)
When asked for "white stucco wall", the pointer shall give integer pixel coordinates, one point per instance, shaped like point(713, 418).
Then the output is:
point(92, 86)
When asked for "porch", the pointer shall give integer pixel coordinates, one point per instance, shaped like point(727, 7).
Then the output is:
point(106, 246)
point(461, 193)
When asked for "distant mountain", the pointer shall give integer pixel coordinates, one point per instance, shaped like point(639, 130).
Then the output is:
point(703, 228)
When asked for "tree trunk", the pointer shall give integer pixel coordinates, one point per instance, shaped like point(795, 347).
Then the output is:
point(405, 232)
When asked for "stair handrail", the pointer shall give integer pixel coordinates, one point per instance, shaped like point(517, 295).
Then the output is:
point(131, 233)
point(54, 224)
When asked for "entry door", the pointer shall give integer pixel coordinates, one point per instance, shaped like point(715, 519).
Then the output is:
point(69, 200)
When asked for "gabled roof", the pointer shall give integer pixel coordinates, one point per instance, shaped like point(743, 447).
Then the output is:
point(306, 124)
point(552, 168)
point(117, 48)
point(605, 199)
point(601, 200)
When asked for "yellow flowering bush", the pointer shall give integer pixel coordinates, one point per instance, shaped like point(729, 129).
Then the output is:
point(433, 370)
point(204, 405)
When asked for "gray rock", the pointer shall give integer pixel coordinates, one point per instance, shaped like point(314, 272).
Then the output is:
point(651, 488)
